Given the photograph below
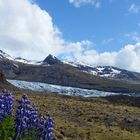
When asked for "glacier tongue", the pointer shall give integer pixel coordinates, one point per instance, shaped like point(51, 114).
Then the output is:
point(36, 86)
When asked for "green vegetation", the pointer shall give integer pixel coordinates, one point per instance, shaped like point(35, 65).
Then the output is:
point(78, 118)
point(6, 128)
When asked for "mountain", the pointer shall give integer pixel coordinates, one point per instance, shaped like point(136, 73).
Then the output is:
point(110, 72)
point(50, 60)
point(102, 71)
point(54, 71)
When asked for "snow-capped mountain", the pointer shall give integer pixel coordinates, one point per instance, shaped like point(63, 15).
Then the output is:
point(18, 59)
point(102, 71)
point(51, 70)
point(106, 71)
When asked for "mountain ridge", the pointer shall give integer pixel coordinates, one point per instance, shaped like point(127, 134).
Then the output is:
point(60, 73)
point(103, 71)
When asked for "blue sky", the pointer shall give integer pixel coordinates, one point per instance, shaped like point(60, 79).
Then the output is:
point(110, 26)
point(94, 32)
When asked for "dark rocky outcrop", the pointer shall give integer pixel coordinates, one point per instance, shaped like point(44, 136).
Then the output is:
point(2, 78)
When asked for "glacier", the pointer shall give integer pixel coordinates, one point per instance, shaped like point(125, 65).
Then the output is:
point(37, 86)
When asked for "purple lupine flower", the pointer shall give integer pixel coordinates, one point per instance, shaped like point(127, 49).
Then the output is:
point(22, 117)
point(46, 127)
point(33, 122)
point(28, 122)
point(6, 103)
point(1, 106)
point(49, 126)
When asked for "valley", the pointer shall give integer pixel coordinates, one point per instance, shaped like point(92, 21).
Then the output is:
point(83, 106)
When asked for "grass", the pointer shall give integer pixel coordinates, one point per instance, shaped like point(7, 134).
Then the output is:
point(78, 118)
point(6, 128)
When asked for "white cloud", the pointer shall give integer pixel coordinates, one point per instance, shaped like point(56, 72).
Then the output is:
point(28, 31)
point(75, 49)
point(79, 3)
point(127, 58)
point(134, 8)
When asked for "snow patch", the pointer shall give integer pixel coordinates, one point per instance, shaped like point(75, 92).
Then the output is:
point(116, 71)
point(22, 60)
point(70, 63)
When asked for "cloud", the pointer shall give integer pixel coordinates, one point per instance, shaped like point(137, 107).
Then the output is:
point(28, 31)
point(79, 3)
point(134, 8)
point(74, 49)
point(127, 58)
point(108, 40)
point(135, 36)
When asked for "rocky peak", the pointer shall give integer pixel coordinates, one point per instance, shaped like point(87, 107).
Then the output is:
point(50, 59)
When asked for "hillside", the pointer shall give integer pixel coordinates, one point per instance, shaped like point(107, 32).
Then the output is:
point(88, 118)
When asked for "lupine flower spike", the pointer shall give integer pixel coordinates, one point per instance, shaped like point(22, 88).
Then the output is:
point(6, 104)
point(22, 117)
point(46, 127)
